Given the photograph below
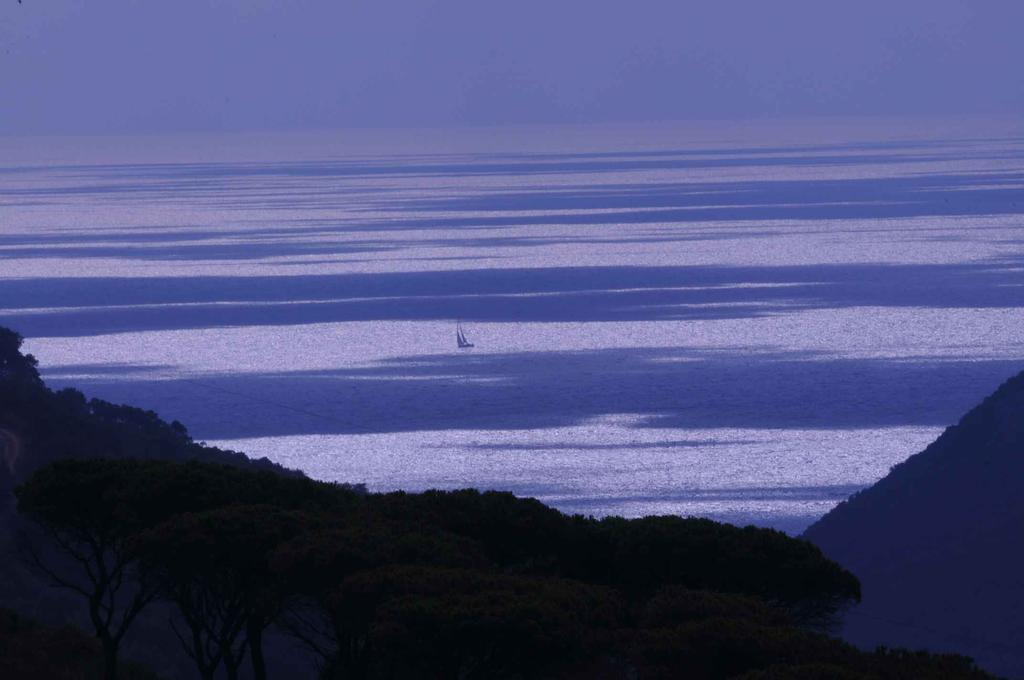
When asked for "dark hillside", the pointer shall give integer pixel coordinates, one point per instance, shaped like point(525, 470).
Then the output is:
point(39, 425)
point(937, 543)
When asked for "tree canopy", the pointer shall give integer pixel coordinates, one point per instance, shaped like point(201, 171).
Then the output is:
point(462, 584)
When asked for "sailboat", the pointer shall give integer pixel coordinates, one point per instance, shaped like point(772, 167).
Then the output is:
point(460, 337)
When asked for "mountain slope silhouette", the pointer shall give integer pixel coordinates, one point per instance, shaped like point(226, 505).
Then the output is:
point(939, 542)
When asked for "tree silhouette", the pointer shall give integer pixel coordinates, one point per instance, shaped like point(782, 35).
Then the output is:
point(15, 366)
point(318, 562)
point(91, 517)
point(438, 585)
point(433, 622)
point(214, 566)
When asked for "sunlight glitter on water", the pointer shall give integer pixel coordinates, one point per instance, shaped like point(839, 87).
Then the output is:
point(767, 477)
point(746, 322)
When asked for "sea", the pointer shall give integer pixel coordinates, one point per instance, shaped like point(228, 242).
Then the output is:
point(742, 320)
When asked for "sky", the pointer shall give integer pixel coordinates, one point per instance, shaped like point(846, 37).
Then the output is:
point(140, 66)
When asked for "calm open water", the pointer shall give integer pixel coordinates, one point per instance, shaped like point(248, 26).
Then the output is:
point(747, 322)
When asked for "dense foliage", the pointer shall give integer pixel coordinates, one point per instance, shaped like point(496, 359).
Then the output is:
point(445, 584)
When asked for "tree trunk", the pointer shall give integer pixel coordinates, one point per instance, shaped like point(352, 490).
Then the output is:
point(109, 658)
point(207, 667)
point(107, 642)
point(232, 662)
point(259, 666)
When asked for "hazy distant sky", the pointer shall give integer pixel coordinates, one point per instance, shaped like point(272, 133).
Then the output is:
point(101, 66)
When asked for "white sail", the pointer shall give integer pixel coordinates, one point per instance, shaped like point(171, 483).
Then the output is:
point(460, 337)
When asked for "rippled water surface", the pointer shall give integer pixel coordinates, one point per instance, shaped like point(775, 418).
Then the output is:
point(744, 322)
